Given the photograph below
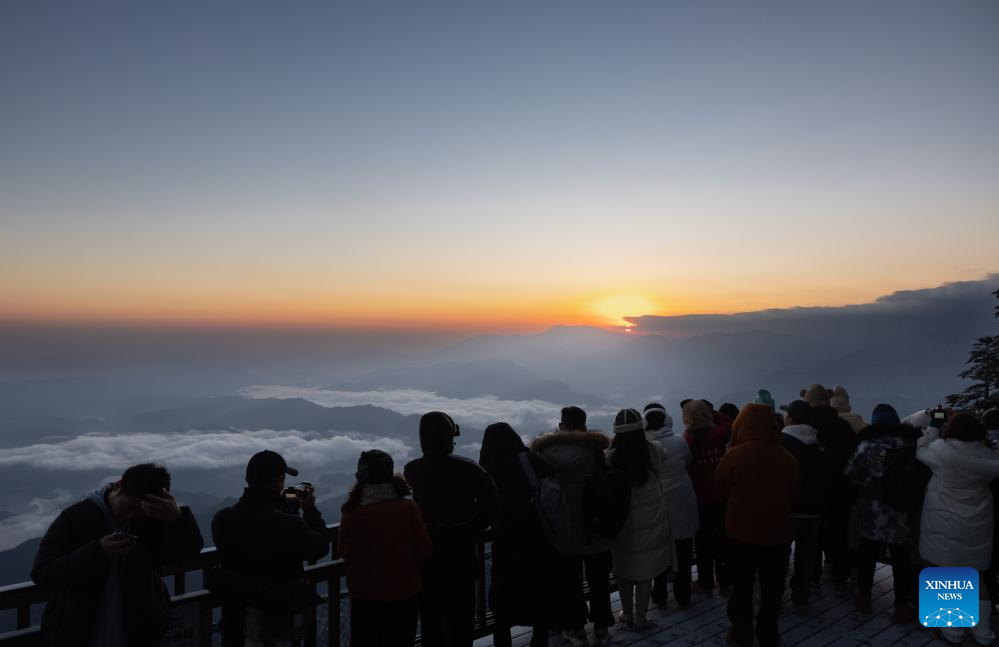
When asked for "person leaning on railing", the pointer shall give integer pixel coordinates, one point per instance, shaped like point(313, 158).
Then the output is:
point(99, 562)
point(261, 547)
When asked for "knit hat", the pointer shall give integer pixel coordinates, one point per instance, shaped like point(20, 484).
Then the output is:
point(885, 414)
point(697, 415)
point(437, 432)
point(763, 397)
point(839, 399)
point(816, 395)
point(374, 466)
point(628, 420)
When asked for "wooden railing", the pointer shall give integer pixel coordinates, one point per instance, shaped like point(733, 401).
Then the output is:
point(202, 603)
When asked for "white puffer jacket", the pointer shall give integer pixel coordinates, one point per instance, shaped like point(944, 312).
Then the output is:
point(956, 527)
point(644, 547)
point(681, 500)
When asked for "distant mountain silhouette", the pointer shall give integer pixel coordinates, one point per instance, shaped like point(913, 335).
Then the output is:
point(235, 412)
point(500, 378)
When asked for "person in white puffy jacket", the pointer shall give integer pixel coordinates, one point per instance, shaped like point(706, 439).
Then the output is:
point(644, 547)
point(956, 525)
point(681, 503)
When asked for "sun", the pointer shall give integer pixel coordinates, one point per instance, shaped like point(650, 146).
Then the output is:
point(614, 308)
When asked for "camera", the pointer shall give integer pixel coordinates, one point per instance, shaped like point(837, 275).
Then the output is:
point(291, 497)
point(123, 535)
point(938, 414)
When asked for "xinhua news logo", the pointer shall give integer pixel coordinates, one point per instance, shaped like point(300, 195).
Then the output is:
point(948, 597)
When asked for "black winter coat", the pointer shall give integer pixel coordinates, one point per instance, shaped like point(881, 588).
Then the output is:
point(458, 501)
point(261, 553)
point(522, 558)
point(841, 440)
point(72, 568)
point(817, 475)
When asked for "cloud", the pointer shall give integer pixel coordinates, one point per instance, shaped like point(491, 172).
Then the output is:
point(33, 522)
point(478, 412)
point(964, 307)
point(201, 450)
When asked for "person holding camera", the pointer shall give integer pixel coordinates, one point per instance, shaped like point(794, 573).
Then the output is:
point(262, 542)
point(99, 562)
point(458, 500)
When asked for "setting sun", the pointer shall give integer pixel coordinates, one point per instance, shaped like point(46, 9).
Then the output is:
point(614, 308)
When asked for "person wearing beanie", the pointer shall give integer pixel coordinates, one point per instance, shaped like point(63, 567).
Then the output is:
point(816, 468)
point(458, 501)
point(890, 485)
point(760, 479)
point(644, 547)
point(763, 396)
point(681, 503)
point(577, 454)
point(956, 526)
point(707, 440)
point(523, 561)
point(839, 400)
point(840, 439)
point(384, 543)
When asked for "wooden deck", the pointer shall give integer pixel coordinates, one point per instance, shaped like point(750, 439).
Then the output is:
point(832, 621)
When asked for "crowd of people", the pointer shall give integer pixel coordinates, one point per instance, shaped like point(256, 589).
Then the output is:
point(732, 493)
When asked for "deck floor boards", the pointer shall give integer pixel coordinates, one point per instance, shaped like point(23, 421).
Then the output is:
point(832, 621)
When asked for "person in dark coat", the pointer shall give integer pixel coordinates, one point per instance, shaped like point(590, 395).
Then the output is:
point(522, 557)
point(840, 439)
point(458, 501)
point(99, 562)
point(817, 475)
point(261, 549)
point(882, 520)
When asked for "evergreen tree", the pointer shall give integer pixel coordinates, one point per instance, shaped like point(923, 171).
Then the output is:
point(983, 368)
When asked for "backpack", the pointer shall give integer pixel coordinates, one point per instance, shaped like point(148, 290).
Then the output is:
point(606, 500)
point(549, 505)
point(903, 484)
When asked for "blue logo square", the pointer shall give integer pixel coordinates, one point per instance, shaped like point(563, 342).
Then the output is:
point(948, 597)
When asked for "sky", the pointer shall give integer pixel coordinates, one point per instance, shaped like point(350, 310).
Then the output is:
point(494, 166)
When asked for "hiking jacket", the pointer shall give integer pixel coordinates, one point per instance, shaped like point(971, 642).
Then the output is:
point(816, 469)
point(760, 479)
point(574, 455)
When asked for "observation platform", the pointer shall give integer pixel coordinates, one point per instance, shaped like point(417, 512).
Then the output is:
point(832, 620)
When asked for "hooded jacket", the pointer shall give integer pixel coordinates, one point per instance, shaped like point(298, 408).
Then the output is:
point(760, 479)
point(574, 455)
point(706, 439)
point(681, 500)
point(71, 567)
point(956, 525)
point(644, 547)
point(875, 519)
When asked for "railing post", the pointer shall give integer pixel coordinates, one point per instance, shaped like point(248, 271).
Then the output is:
point(480, 586)
point(332, 611)
point(23, 616)
point(180, 583)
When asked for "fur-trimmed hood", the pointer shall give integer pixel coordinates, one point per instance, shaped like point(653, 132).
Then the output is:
point(589, 440)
